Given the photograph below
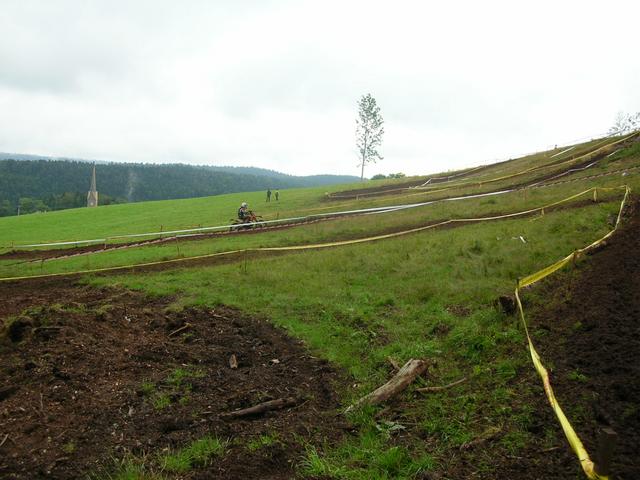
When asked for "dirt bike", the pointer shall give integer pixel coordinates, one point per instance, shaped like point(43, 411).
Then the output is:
point(250, 221)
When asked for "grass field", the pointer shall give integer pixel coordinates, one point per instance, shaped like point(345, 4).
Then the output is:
point(430, 294)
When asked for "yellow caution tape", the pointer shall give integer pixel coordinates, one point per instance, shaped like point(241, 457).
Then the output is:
point(576, 444)
point(302, 247)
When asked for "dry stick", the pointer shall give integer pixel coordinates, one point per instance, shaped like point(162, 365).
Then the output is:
point(393, 363)
point(4, 439)
point(46, 328)
point(437, 389)
point(490, 434)
point(401, 380)
point(262, 408)
point(184, 327)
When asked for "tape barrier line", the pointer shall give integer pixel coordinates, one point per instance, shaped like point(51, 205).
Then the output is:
point(594, 151)
point(205, 229)
point(194, 231)
point(308, 246)
point(427, 190)
point(587, 464)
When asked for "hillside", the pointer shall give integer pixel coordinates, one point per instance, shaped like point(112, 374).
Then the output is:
point(47, 184)
point(152, 341)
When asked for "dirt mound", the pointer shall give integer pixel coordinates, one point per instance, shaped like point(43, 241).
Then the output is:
point(589, 335)
point(92, 374)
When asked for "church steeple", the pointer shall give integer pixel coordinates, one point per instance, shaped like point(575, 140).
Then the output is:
point(92, 196)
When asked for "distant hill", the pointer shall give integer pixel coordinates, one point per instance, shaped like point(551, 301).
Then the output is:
point(42, 183)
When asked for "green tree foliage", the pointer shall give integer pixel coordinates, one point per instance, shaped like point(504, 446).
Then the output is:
point(61, 184)
point(369, 131)
point(32, 205)
point(380, 176)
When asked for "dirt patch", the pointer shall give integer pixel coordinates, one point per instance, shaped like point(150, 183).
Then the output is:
point(94, 374)
point(588, 334)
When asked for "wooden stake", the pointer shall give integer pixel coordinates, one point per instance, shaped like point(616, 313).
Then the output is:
point(233, 362)
point(606, 445)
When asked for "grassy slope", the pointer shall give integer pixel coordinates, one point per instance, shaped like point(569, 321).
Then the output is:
point(357, 305)
point(77, 224)
point(424, 295)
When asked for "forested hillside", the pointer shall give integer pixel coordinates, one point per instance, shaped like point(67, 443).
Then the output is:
point(40, 185)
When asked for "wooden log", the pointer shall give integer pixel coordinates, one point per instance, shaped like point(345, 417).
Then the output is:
point(262, 408)
point(400, 381)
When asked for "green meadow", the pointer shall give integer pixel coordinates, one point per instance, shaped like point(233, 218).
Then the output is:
point(428, 294)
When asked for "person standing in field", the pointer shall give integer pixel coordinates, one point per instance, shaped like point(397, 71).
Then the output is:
point(277, 195)
point(269, 195)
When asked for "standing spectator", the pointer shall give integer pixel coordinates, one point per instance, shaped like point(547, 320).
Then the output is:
point(269, 195)
point(277, 195)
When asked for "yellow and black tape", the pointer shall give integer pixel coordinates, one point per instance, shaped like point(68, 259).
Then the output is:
point(587, 464)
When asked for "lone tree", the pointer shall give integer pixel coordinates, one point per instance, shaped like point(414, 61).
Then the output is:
point(369, 131)
point(625, 123)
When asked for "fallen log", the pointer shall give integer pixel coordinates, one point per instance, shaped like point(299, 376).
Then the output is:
point(262, 408)
point(401, 380)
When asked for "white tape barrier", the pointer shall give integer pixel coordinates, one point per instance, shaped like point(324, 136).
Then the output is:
point(374, 210)
point(564, 151)
point(199, 229)
point(196, 231)
point(565, 173)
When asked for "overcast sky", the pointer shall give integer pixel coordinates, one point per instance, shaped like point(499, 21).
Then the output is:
point(275, 84)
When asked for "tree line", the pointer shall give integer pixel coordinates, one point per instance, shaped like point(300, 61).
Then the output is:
point(42, 185)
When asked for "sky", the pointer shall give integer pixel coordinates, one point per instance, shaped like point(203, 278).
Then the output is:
point(275, 84)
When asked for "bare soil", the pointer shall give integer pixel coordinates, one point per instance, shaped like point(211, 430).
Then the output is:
point(84, 372)
point(588, 334)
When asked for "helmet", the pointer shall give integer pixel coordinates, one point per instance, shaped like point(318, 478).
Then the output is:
point(244, 204)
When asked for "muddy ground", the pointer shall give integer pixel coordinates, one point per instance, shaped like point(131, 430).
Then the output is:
point(89, 374)
point(588, 335)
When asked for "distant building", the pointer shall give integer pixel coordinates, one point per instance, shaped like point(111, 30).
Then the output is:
point(92, 196)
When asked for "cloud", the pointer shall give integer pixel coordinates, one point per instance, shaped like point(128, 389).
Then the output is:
point(275, 84)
